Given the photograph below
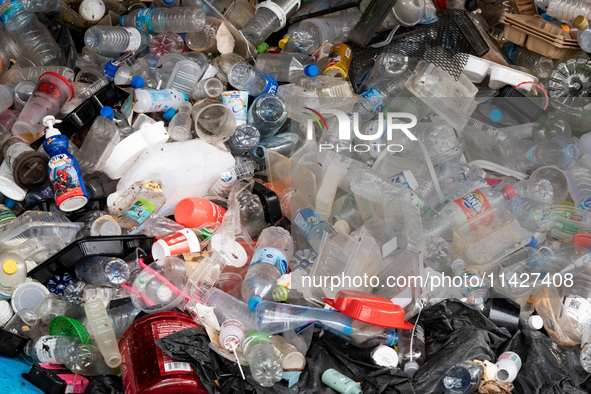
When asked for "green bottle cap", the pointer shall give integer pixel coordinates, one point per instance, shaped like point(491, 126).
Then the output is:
point(263, 47)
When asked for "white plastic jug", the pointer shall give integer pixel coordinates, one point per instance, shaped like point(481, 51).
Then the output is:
point(186, 169)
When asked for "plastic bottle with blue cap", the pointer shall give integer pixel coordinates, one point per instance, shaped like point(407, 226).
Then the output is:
point(179, 128)
point(63, 170)
point(149, 100)
point(286, 67)
point(99, 142)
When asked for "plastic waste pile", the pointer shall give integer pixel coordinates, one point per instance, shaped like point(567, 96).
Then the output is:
point(241, 181)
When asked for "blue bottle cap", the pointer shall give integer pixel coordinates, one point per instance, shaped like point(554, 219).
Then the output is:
point(533, 243)
point(185, 95)
point(169, 114)
point(9, 203)
point(311, 70)
point(107, 112)
point(392, 337)
point(122, 20)
point(259, 152)
point(253, 302)
point(137, 82)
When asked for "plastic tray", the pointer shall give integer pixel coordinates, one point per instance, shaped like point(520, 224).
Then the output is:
point(11, 344)
point(66, 259)
point(48, 205)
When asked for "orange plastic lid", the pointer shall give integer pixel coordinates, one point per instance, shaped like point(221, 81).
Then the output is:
point(582, 240)
point(369, 308)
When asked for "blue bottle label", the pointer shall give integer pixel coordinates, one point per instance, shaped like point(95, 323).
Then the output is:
point(534, 153)
point(271, 86)
point(270, 256)
point(306, 220)
point(8, 8)
point(143, 20)
point(111, 69)
point(510, 51)
point(375, 99)
point(65, 178)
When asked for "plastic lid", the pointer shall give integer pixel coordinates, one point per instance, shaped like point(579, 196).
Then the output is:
point(28, 295)
point(283, 41)
point(471, 5)
point(411, 368)
point(369, 308)
point(311, 70)
point(580, 22)
point(263, 47)
point(253, 302)
point(535, 322)
point(9, 266)
point(385, 356)
point(92, 10)
point(137, 82)
point(510, 191)
point(30, 169)
point(169, 114)
point(107, 112)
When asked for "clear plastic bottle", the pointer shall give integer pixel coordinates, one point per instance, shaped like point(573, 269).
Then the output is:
point(134, 75)
point(159, 20)
point(228, 307)
point(258, 351)
point(122, 317)
point(99, 142)
point(115, 39)
point(411, 349)
point(179, 128)
point(560, 151)
point(103, 271)
point(137, 203)
point(87, 360)
point(285, 67)
point(583, 33)
point(273, 251)
point(538, 189)
point(245, 77)
point(579, 177)
point(165, 43)
point(245, 139)
point(223, 185)
point(49, 349)
point(533, 215)
point(269, 17)
point(125, 130)
point(34, 40)
point(540, 65)
point(208, 88)
point(268, 113)
point(204, 40)
point(13, 272)
point(462, 378)
point(40, 5)
point(568, 10)
point(102, 332)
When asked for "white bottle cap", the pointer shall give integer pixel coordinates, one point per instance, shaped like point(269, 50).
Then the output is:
point(509, 365)
point(385, 356)
point(237, 254)
point(6, 312)
point(105, 225)
point(411, 368)
point(535, 322)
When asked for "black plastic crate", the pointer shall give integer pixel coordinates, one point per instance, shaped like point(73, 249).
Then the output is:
point(11, 344)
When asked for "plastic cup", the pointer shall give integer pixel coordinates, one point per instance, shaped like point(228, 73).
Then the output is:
point(557, 178)
point(22, 93)
point(193, 212)
point(215, 123)
point(50, 307)
point(184, 241)
point(50, 94)
point(23, 323)
point(237, 101)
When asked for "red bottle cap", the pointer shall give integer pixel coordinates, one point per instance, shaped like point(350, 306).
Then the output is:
point(582, 240)
point(369, 308)
point(510, 191)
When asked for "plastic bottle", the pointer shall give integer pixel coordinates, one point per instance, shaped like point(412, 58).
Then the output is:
point(167, 3)
point(465, 208)
point(579, 177)
point(340, 383)
point(411, 349)
point(49, 349)
point(34, 40)
point(269, 17)
point(273, 251)
point(40, 5)
point(462, 378)
point(533, 215)
point(63, 170)
point(87, 360)
point(179, 128)
point(208, 88)
point(136, 204)
point(99, 142)
point(245, 138)
point(204, 40)
point(285, 67)
point(148, 100)
point(115, 39)
point(540, 65)
point(509, 364)
point(223, 185)
point(560, 151)
point(539, 189)
point(102, 332)
point(12, 274)
point(134, 75)
point(245, 77)
point(258, 351)
point(268, 113)
point(6, 215)
point(567, 10)
point(103, 271)
point(122, 317)
point(125, 130)
point(165, 43)
point(159, 20)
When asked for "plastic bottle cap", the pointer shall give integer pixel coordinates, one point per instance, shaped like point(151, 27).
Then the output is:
point(122, 20)
point(535, 322)
point(385, 356)
point(9, 266)
point(169, 114)
point(311, 70)
point(510, 191)
point(92, 10)
point(9, 203)
point(343, 226)
point(580, 22)
point(137, 82)
point(283, 41)
point(107, 112)
point(533, 243)
point(263, 47)
point(253, 302)
point(411, 368)
point(471, 5)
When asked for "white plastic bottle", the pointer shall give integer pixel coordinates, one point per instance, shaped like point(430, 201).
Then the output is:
point(258, 351)
point(272, 254)
point(115, 39)
point(148, 100)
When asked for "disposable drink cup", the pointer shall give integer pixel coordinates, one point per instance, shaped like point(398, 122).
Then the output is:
point(215, 123)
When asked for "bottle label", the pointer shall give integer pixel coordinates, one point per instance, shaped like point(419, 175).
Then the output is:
point(270, 87)
point(376, 100)
point(111, 69)
point(534, 153)
point(306, 220)
point(168, 365)
point(473, 204)
point(135, 39)
point(64, 178)
point(143, 19)
point(577, 308)
point(140, 210)
point(339, 59)
point(8, 8)
point(251, 337)
point(14, 151)
point(585, 204)
point(6, 214)
point(270, 256)
point(45, 349)
point(159, 100)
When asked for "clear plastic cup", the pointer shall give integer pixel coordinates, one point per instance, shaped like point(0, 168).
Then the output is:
point(51, 93)
point(215, 123)
point(23, 323)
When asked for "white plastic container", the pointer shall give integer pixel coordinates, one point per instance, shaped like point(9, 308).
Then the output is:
point(509, 365)
point(174, 164)
point(148, 100)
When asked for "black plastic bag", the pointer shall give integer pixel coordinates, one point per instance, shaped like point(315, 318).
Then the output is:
point(107, 384)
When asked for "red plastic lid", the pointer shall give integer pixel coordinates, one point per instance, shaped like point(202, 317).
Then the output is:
point(493, 182)
point(510, 191)
point(582, 240)
point(369, 308)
